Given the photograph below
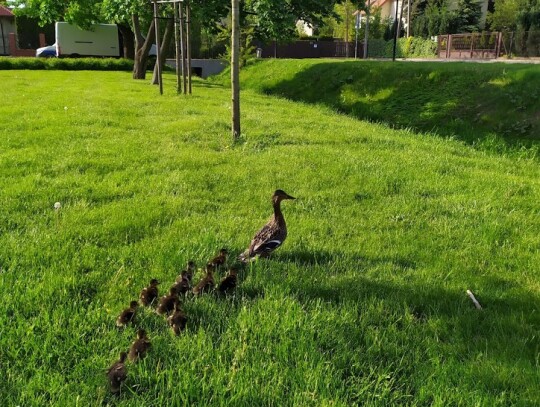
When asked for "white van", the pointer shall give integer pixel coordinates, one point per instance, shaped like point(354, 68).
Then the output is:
point(100, 41)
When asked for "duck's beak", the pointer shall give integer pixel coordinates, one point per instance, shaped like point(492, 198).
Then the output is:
point(290, 197)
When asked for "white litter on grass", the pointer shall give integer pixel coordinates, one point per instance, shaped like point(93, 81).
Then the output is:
point(474, 300)
point(65, 108)
point(57, 205)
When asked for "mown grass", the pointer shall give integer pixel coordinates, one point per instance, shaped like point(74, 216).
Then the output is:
point(494, 107)
point(364, 304)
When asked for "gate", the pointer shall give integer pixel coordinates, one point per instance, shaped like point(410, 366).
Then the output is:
point(470, 46)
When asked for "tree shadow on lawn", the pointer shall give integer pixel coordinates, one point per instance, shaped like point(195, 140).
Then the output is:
point(433, 97)
point(331, 259)
point(504, 328)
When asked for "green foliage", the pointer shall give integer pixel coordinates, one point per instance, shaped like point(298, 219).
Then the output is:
point(67, 64)
point(505, 15)
point(412, 47)
point(345, 23)
point(83, 13)
point(365, 302)
point(468, 16)
point(377, 48)
point(420, 47)
point(276, 20)
point(432, 17)
point(533, 41)
point(247, 49)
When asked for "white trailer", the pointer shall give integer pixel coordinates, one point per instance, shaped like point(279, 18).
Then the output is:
point(100, 41)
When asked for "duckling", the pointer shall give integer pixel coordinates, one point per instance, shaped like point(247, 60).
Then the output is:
point(127, 315)
point(228, 283)
point(117, 373)
point(182, 286)
point(167, 302)
point(272, 235)
point(207, 283)
point(220, 259)
point(187, 273)
point(149, 294)
point(140, 346)
point(177, 320)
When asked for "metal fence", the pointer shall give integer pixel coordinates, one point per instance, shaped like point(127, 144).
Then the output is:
point(310, 49)
point(524, 44)
point(488, 45)
point(469, 46)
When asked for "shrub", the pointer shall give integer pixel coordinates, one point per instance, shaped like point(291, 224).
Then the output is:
point(411, 47)
point(67, 64)
point(376, 48)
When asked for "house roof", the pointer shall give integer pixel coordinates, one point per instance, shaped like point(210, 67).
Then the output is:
point(5, 12)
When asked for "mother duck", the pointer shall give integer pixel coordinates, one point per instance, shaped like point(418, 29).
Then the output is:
point(272, 235)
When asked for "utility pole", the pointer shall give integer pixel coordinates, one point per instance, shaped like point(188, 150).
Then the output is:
point(235, 69)
point(408, 18)
point(366, 37)
point(400, 18)
point(396, 33)
point(357, 27)
point(347, 29)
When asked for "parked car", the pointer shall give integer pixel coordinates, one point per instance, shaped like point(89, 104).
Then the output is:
point(46, 52)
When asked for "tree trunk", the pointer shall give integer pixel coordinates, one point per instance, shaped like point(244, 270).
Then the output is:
point(142, 48)
point(128, 40)
point(235, 69)
point(165, 45)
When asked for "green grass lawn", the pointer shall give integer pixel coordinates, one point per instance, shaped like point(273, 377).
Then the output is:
point(494, 107)
point(364, 304)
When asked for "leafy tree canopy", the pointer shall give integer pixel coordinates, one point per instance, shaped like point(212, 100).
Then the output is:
point(277, 19)
point(80, 12)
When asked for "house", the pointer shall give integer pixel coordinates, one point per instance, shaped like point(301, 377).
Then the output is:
point(388, 9)
point(7, 25)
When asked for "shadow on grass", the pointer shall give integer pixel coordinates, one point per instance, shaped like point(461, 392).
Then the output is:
point(498, 326)
point(504, 328)
point(331, 259)
point(496, 106)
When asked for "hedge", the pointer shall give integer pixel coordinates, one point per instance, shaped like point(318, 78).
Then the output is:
point(411, 47)
point(67, 64)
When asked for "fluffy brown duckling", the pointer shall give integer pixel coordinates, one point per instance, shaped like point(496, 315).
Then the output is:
point(220, 259)
point(167, 302)
point(272, 235)
point(149, 294)
point(228, 283)
point(182, 286)
point(207, 283)
point(140, 346)
point(187, 273)
point(117, 373)
point(177, 320)
point(127, 315)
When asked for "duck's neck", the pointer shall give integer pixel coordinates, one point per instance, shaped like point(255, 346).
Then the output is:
point(277, 209)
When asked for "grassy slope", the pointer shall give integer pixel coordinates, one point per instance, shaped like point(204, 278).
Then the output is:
point(364, 303)
point(495, 106)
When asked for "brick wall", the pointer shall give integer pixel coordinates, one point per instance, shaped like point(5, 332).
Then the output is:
point(16, 52)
